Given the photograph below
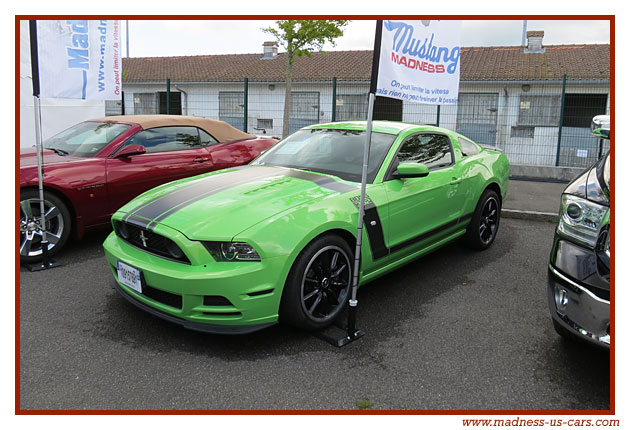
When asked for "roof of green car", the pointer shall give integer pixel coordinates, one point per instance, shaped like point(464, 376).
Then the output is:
point(388, 127)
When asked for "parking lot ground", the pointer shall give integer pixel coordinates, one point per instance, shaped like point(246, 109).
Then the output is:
point(457, 329)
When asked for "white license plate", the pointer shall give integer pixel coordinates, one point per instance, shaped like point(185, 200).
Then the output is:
point(129, 276)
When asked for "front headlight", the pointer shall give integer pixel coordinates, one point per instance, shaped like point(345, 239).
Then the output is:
point(231, 251)
point(581, 219)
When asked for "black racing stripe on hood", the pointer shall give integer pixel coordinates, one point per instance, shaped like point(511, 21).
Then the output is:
point(322, 181)
point(176, 199)
point(150, 213)
point(155, 202)
point(138, 222)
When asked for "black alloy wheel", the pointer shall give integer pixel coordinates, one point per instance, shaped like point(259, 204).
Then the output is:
point(325, 283)
point(318, 285)
point(489, 222)
point(484, 224)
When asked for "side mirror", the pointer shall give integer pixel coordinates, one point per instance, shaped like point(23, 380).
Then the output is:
point(130, 150)
point(411, 170)
point(600, 127)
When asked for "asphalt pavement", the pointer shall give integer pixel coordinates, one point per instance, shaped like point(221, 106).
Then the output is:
point(457, 329)
point(533, 199)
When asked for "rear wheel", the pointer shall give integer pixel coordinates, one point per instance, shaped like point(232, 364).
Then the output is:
point(484, 225)
point(58, 224)
point(318, 284)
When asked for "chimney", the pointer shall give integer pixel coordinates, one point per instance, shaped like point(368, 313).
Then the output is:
point(270, 50)
point(534, 42)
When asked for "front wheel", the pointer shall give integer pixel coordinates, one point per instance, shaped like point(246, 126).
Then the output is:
point(484, 225)
point(58, 224)
point(318, 284)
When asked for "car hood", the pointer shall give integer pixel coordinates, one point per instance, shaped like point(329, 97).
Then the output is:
point(28, 157)
point(219, 205)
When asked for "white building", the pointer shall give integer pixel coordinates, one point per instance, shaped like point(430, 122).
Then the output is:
point(510, 96)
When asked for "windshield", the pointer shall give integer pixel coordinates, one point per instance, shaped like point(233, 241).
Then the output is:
point(85, 139)
point(334, 152)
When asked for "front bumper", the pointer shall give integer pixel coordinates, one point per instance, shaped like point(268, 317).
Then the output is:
point(226, 298)
point(579, 311)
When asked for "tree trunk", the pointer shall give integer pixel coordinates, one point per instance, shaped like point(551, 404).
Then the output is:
point(287, 106)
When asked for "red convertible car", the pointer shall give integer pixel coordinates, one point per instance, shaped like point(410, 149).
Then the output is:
point(95, 167)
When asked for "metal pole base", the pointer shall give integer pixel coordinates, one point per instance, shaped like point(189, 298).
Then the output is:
point(42, 266)
point(46, 263)
point(340, 339)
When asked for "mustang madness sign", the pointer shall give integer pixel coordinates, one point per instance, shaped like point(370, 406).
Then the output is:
point(419, 61)
point(79, 59)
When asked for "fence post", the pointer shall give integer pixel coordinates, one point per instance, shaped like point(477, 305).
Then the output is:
point(334, 100)
point(437, 121)
point(245, 101)
point(122, 104)
point(564, 89)
point(168, 96)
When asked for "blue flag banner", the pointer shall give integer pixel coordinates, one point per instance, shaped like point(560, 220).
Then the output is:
point(79, 59)
point(419, 61)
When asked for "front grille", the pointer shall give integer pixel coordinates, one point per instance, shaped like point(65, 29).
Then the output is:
point(150, 242)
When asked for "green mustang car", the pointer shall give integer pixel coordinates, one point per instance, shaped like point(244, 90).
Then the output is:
point(236, 250)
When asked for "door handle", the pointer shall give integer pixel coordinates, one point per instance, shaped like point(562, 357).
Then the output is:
point(455, 181)
point(200, 159)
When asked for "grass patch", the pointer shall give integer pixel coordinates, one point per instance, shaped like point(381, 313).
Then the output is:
point(364, 404)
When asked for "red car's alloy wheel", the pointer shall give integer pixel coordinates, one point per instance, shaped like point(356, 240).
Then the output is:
point(57, 225)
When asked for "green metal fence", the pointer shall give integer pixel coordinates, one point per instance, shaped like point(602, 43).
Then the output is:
point(533, 122)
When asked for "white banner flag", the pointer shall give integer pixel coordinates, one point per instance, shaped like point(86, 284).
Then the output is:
point(79, 59)
point(419, 61)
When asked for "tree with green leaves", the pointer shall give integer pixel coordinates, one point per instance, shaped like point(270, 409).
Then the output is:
point(300, 38)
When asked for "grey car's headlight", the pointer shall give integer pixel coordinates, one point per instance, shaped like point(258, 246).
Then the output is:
point(231, 251)
point(581, 219)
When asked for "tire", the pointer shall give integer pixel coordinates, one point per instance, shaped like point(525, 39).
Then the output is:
point(484, 225)
point(58, 225)
point(318, 285)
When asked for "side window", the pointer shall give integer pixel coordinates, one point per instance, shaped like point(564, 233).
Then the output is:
point(468, 147)
point(206, 139)
point(434, 150)
point(166, 139)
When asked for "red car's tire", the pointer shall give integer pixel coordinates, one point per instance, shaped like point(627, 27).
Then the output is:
point(58, 225)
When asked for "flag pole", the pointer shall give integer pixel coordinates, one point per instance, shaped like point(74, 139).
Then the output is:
point(352, 332)
point(46, 261)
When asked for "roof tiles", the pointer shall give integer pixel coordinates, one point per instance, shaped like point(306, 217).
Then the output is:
point(503, 63)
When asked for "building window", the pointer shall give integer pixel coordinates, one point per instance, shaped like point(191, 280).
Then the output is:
point(145, 103)
point(351, 107)
point(231, 108)
point(522, 131)
point(579, 109)
point(263, 124)
point(539, 110)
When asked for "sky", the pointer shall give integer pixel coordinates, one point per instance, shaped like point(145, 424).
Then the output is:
point(163, 38)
